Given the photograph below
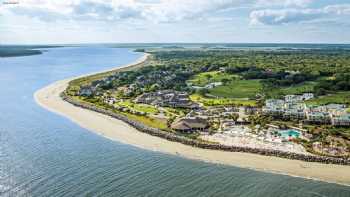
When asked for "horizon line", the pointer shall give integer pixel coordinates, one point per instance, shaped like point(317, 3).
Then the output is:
point(175, 43)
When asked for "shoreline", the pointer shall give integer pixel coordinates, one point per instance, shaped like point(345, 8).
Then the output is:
point(117, 130)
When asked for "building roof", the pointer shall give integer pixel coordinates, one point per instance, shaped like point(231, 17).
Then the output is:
point(180, 126)
point(189, 123)
point(345, 117)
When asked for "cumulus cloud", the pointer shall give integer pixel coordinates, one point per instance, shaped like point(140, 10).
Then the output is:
point(288, 15)
point(270, 12)
point(76, 9)
point(338, 9)
point(285, 3)
point(155, 10)
point(151, 10)
point(176, 10)
point(277, 17)
point(104, 11)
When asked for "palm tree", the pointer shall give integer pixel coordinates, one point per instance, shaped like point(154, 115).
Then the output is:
point(234, 117)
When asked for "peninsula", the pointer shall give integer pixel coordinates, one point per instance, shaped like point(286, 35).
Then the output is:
point(22, 50)
point(215, 106)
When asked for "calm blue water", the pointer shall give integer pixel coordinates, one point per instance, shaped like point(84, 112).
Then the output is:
point(289, 133)
point(44, 154)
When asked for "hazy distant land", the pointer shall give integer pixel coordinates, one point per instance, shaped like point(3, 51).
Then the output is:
point(22, 50)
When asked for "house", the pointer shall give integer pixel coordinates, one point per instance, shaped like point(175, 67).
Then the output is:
point(145, 98)
point(109, 100)
point(189, 124)
point(85, 91)
point(213, 85)
point(308, 96)
point(250, 110)
point(298, 98)
point(293, 98)
point(167, 98)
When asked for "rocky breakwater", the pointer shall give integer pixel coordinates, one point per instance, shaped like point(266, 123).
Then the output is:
point(200, 144)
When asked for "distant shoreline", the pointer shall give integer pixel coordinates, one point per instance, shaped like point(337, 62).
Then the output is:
point(49, 98)
point(23, 50)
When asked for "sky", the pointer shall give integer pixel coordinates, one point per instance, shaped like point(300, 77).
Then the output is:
point(159, 21)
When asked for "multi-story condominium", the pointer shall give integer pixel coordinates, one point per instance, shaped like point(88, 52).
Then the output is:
point(293, 107)
point(342, 120)
point(274, 107)
point(294, 114)
point(318, 117)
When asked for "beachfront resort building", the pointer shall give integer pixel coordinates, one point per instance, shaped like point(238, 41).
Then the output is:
point(335, 114)
point(341, 120)
point(283, 109)
point(189, 124)
point(317, 117)
point(293, 107)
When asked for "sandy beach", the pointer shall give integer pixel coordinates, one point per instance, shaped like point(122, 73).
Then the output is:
point(48, 97)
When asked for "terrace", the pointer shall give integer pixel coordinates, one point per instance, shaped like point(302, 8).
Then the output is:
point(241, 136)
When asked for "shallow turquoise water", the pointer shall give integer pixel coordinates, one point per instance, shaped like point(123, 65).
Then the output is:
point(289, 133)
point(44, 154)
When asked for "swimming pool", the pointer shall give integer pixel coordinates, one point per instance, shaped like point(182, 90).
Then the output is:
point(289, 134)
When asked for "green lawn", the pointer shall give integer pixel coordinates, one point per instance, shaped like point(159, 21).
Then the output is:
point(138, 107)
point(237, 89)
point(305, 87)
point(221, 101)
point(152, 122)
point(175, 111)
point(340, 97)
point(149, 121)
point(300, 88)
point(205, 78)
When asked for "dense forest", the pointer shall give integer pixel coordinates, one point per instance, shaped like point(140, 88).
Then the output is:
point(318, 62)
point(330, 69)
point(244, 74)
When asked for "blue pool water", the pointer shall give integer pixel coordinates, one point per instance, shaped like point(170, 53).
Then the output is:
point(290, 133)
point(44, 154)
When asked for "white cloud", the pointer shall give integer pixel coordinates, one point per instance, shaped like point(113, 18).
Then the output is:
point(151, 10)
point(87, 10)
point(288, 15)
point(169, 20)
point(338, 9)
point(283, 16)
point(75, 9)
point(285, 3)
point(169, 10)
point(154, 10)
